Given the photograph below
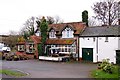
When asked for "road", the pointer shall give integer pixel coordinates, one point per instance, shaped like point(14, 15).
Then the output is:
point(45, 69)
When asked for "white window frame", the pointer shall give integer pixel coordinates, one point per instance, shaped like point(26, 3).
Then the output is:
point(52, 34)
point(67, 33)
point(21, 47)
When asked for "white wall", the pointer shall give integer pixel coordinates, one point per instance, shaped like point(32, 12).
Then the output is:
point(119, 43)
point(105, 49)
point(88, 43)
point(108, 49)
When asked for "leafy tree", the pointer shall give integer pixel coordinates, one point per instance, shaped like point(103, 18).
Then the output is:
point(43, 25)
point(39, 49)
point(21, 39)
point(25, 35)
point(106, 11)
point(85, 17)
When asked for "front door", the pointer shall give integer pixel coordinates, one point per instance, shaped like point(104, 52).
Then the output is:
point(87, 54)
point(117, 56)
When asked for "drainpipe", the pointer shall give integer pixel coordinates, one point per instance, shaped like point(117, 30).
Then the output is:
point(78, 47)
point(97, 48)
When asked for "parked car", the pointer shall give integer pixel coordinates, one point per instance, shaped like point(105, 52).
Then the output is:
point(6, 49)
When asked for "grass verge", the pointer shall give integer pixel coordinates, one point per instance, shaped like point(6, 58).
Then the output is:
point(12, 73)
point(101, 74)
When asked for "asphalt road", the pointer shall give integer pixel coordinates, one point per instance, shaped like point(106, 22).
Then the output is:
point(45, 69)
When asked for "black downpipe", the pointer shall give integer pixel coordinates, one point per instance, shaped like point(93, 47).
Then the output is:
point(97, 48)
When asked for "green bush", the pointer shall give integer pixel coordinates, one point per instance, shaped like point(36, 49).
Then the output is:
point(106, 66)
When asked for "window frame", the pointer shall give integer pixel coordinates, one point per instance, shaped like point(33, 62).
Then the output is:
point(52, 34)
point(67, 33)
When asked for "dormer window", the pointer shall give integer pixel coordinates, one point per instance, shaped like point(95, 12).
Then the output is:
point(67, 33)
point(52, 34)
point(38, 33)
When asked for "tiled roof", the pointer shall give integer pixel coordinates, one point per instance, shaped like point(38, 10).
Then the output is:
point(102, 31)
point(78, 27)
point(36, 39)
point(60, 41)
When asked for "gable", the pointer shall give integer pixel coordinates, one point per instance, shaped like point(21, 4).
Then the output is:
point(68, 27)
point(77, 27)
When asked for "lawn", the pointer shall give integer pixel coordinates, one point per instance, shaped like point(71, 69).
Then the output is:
point(101, 74)
point(12, 73)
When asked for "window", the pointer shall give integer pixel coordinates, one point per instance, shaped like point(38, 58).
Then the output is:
point(93, 39)
point(106, 39)
point(67, 33)
point(52, 34)
point(20, 47)
point(30, 48)
point(38, 33)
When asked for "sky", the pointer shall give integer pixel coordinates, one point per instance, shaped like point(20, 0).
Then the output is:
point(14, 13)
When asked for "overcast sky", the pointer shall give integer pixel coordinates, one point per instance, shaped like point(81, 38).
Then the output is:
point(14, 13)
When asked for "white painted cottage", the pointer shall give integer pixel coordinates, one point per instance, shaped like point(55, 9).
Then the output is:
point(98, 43)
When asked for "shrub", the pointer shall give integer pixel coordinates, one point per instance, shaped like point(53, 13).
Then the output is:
point(106, 66)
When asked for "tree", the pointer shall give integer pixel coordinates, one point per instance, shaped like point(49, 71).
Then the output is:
point(106, 12)
point(85, 17)
point(11, 40)
point(93, 22)
point(54, 20)
point(39, 47)
point(58, 20)
point(43, 25)
point(29, 26)
point(25, 35)
point(50, 20)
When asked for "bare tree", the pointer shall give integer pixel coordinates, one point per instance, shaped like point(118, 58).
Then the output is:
point(29, 25)
point(106, 11)
point(11, 40)
point(50, 20)
point(91, 22)
point(54, 20)
point(58, 20)
point(13, 33)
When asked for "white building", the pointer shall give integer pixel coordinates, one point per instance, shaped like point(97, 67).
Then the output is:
point(98, 43)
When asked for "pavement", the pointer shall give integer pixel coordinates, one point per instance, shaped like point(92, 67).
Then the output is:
point(46, 69)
